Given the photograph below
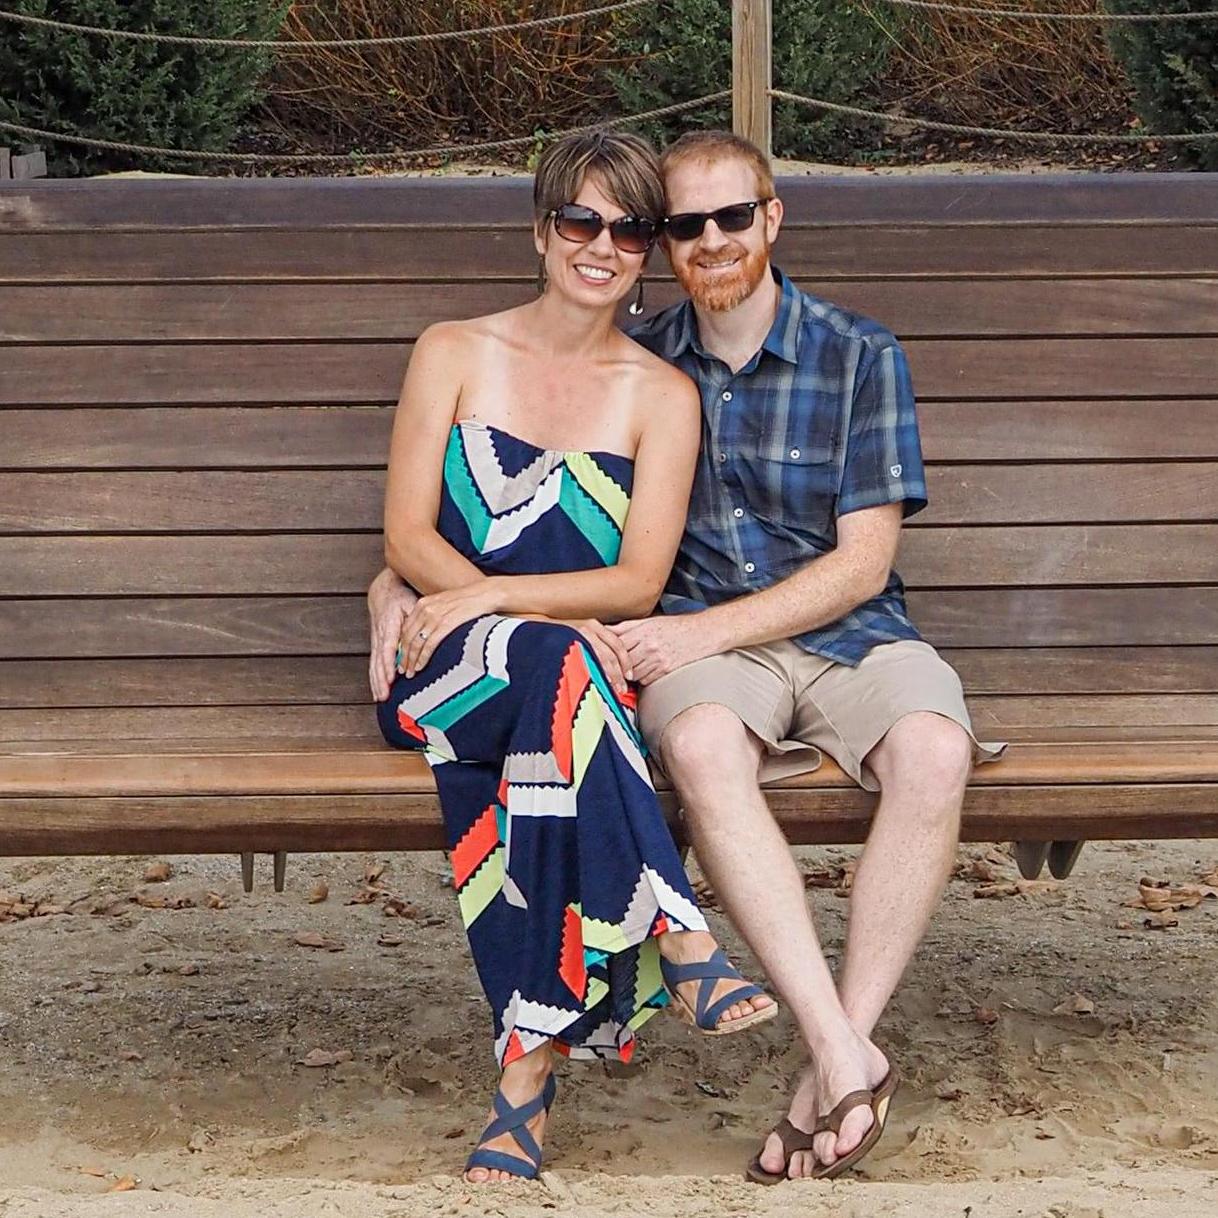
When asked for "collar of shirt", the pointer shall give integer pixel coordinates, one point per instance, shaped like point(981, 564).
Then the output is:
point(782, 339)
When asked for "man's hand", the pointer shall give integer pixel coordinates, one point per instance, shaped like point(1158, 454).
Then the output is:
point(389, 604)
point(658, 645)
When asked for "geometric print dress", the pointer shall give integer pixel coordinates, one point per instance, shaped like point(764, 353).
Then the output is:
point(564, 868)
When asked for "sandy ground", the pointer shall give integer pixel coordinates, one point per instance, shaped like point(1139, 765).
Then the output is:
point(1060, 1055)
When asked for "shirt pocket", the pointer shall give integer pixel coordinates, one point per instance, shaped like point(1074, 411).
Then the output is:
point(793, 486)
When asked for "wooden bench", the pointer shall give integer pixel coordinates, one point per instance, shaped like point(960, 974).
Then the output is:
point(196, 388)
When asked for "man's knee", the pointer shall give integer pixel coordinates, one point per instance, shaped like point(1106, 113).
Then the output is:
point(927, 749)
point(705, 741)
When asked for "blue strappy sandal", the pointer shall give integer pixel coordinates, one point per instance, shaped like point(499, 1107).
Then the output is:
point(705, 1015)
point(510, 1119)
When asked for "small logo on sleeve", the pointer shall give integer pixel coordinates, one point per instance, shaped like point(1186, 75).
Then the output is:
point(895, 470)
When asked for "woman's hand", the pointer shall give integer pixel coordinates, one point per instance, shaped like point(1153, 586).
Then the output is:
point(609, 650)
point(389, 604)
point(435, 617)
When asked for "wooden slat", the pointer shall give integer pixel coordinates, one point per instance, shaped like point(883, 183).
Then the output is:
point(232, 373)
point(1052, 494)
point(264, 724)
point(223, 824)
point(369, 255)
point(318, 310)
point(362, 771)
point(250, 501)
point(1086, 199)
point(992, 715)
point(279, 436)
point(185, 681)
point(173, 502)
point(81, 627)
point(262, 625)
point(372, 372)
point(294, 680)
point(1086, 670)
point(1067, 431)
point(203, 437)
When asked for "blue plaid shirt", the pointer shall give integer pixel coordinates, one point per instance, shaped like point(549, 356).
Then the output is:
point(819, 423)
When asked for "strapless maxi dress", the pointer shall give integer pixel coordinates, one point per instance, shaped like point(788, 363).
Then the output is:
point(564, 868)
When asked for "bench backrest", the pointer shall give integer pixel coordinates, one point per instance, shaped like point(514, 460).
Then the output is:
point(196, 388)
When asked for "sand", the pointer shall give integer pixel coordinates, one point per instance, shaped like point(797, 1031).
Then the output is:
point(1060, 1055)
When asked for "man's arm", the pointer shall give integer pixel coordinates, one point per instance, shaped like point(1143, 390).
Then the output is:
point(389, 604)
point(821, 592)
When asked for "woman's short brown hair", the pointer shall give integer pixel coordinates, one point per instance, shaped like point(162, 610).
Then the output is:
point(707, 146)
point(626, 166)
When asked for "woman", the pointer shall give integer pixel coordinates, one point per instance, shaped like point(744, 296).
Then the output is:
point(539, 474)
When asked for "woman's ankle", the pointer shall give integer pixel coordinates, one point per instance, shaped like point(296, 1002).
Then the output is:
point(681, 945)
point(533, 1068)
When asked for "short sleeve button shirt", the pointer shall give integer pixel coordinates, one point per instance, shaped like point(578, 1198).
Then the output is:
point(819, 423)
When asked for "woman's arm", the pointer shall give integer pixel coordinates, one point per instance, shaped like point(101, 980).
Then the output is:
point(421, 426)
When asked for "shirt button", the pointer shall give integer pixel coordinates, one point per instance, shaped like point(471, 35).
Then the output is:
point(738, 512)
point(795, 454)
point(722, 458)
point(727, 395)
point(748, 566)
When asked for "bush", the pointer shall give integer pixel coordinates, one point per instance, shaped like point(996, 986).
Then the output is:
point(822, 48)
point(1174, 69)
point(134, 92)
point(457, 91)
point(987, 70)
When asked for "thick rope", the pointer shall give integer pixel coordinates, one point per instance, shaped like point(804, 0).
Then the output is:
point(313, 158)
point(1020, 14)
point(306, 44)
point(1005, 133)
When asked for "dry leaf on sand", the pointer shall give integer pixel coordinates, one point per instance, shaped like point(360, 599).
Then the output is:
point(1161, 897)
point(319, 892)
point(124, 1185)
point(217, 900)
point(395, 907)
point(1076, 1004)
point(373, 872)
point(986, 1015)
point(1014, 888)
point(365, 896)
point(99, 1173)
point(325, 1057)
point(313, 938)
point(1161, 921)
point(157, 873)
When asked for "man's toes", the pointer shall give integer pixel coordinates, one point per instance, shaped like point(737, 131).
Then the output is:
point(771, 1157)
point(854, 1129)
point(825, 1148)
point(803, 1163)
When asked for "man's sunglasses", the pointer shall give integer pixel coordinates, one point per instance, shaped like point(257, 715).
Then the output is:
point(735, 218)
point(630, 234)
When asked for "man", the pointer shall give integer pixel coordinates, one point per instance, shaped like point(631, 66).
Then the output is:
point(785, 634)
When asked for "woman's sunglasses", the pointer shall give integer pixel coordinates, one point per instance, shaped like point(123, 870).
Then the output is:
point(735, 218)
point(630, 234)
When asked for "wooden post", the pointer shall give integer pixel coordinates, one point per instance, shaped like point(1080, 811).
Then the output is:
point(752, 37)
point(5, 170)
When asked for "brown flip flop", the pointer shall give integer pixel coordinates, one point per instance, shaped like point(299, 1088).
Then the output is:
point(879, 1101)
point(794, 1139)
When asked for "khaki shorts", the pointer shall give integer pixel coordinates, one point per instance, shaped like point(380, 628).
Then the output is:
point(803, 705)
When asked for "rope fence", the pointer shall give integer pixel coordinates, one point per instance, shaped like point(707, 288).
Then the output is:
point(359, 158)
point(320, 44)
point(1020, 14)
point(930, 124)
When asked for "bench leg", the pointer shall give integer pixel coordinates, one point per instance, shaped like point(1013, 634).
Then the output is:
point(247, 870)
point(1062, 857)
point(281, 869)
point(1031, 857)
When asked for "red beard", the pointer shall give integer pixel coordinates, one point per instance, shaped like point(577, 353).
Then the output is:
point(722, 292)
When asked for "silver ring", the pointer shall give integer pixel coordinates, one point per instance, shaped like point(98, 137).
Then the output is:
point(422, 634)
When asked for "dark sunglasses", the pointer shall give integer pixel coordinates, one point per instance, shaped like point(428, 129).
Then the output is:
point(735, 218)
point(630, 234)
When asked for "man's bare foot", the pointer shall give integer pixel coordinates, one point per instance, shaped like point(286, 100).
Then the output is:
point(858, 1065)
point(520, 1082)
point(693, 946)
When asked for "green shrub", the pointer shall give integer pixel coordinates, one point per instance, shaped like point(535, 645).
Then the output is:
point(822, 48)
point(134, 92)
point(1173, 66)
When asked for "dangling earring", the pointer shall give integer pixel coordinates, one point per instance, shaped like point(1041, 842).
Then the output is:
point(636, 305)
point(542, 277)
